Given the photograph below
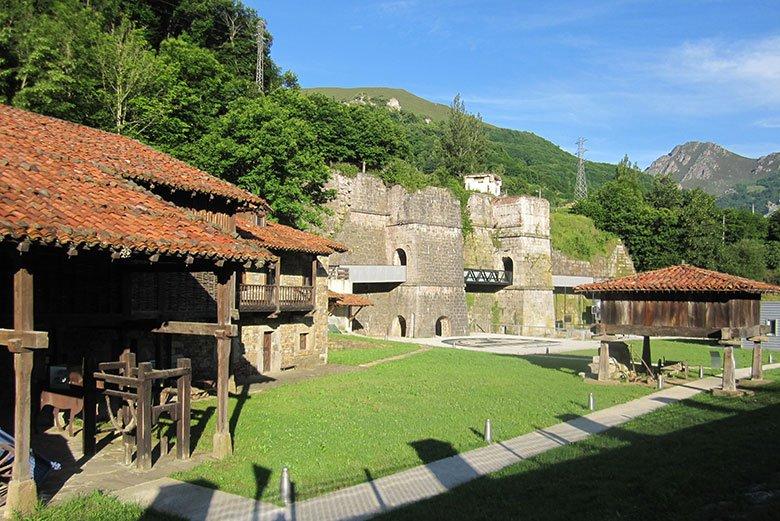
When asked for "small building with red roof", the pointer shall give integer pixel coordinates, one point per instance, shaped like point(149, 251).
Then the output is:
point(683, 301)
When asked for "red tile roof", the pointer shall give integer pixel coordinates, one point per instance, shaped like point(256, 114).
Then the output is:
point(349, 299)
point(277, 237)
point(681, 278)
point(112, 154)
point(50, 193)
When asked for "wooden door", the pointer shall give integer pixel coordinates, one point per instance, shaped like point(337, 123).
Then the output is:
point(267, 351)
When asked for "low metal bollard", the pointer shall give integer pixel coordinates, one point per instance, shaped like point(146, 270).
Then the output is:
point(771, 359)
point(488, 432)
point(285, 488)
point(591, 402)
point(660, 381)
point(701, 371)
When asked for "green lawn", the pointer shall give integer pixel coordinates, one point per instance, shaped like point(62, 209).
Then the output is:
point(705, 458)
point(342, 429)
point(96, 507)
point(354, 350)
point(695, 352)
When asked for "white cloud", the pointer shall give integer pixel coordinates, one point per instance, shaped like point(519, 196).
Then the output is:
point(768, 123)
point(748, 69)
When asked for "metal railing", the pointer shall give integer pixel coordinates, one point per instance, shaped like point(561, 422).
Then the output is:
point(264, 297)
point(487, 277)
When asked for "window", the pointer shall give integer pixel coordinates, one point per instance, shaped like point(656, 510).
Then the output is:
point(399, 257)
point(302, 343)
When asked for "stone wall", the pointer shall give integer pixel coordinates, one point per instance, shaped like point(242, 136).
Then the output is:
point(517, 229)
point(374, 220)
point(574, 310)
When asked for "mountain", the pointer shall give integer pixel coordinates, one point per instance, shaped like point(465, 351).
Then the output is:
point(738, 181)
point(404, 100)
point(530, 162)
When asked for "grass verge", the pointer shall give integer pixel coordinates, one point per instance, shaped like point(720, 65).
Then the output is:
point(704, 458)
point(95, 507)
point(343, 429)
point(355, 350)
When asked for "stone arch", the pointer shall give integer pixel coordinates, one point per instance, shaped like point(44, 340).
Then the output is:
point(399, 257)
point(397, 327)
point(443, 326)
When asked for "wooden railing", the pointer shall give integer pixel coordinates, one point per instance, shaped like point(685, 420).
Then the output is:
point(263, 297)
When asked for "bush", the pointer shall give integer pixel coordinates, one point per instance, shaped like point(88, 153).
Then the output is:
point(577, 237)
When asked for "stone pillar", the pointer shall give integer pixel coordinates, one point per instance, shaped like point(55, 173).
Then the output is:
point(647, 358)
point(22, 493)
point(223, 444)
point(757, 372)
point(729, 369)
point(603, 361)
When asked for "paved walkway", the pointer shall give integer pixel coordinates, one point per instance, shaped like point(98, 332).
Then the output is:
point(504, 344)
point(380, 495)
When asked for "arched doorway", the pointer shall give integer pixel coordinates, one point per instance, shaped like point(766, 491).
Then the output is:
point(398, 327)
point(443, 326)
point(508, 264)
point(399, 257)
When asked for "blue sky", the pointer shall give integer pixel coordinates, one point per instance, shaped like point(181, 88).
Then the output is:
point(632, 76)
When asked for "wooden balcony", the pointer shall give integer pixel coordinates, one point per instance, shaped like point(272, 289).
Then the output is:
point(480, 277)
point(270, 298)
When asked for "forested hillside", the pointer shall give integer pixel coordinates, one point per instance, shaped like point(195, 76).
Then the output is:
point(527, 162)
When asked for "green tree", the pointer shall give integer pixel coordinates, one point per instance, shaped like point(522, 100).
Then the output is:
point(463, 146)
point(128, 68)
point(746, 258)
point(263, 146)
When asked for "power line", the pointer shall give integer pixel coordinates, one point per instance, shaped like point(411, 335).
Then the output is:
point(581, 189)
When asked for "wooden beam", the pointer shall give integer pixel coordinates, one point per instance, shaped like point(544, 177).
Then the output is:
point(222, 444)
point(28, 339)
point(22, 492)
point(690, 332)
point(197, 328)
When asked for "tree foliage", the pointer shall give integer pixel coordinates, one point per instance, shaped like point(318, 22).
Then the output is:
point(666, 225)
point(463, 145)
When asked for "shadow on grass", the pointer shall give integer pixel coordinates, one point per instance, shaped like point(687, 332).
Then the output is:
point(705, 470)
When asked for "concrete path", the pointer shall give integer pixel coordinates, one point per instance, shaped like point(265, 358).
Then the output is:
point(380, 495)
point(505, 344)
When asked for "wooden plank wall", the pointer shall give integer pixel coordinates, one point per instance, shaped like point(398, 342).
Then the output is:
point(734, 312)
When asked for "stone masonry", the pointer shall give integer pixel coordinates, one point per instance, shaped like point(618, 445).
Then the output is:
point(375, 221)
point(511, 232)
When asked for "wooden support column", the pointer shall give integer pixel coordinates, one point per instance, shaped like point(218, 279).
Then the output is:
point(603, 361)
point(647, 358)
point(729, 369)
point(183, 386)
point(22, 492)
point(143, 430)
point(757, 371)
point(223, 445)
point(314, 280)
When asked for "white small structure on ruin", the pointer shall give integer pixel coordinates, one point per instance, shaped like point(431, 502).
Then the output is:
point(486, 183)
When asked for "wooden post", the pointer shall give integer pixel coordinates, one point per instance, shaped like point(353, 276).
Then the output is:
point(314, 281)
point(143, 431)
point(729, 369)
point(647, 358)
point(90, 404)
point(128, 440)
point(603, 361)
point(757, 372)
point(223, 444)
point(22, 492)
point(183, 403)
